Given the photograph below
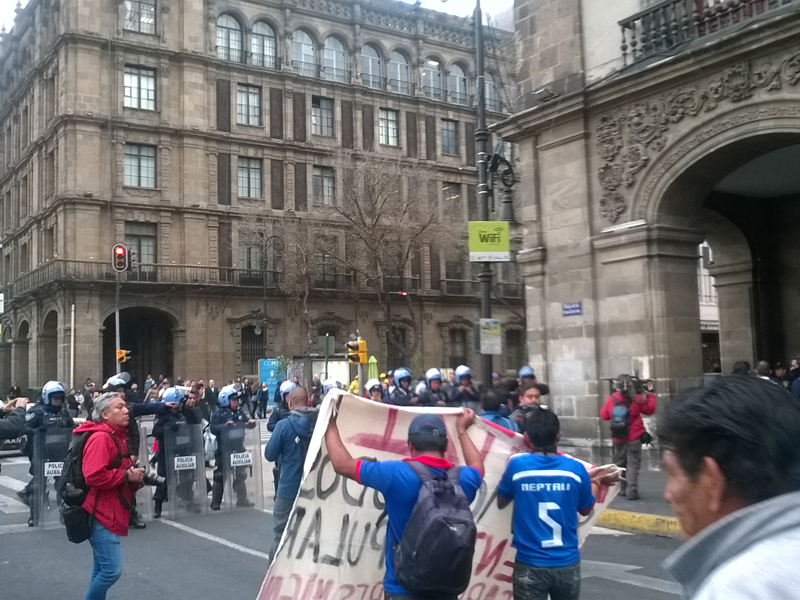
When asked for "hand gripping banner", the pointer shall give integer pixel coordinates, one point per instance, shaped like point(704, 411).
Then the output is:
point(333, 545)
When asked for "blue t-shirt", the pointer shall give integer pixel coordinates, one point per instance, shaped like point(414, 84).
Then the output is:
point(548, 492)
point(400, 487)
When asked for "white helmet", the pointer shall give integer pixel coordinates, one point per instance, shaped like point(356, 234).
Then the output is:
point(330, 384)
point(461, 372)
point(51, 389)
point(421, 388)
point(373, 383)
point(433, 375)
point(286, 387)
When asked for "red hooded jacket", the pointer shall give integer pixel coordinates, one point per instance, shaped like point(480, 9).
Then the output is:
point(106, 485)
point(636, 410)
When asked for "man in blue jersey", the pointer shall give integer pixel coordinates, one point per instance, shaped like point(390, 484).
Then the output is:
point(427, 442)
point(548, 490)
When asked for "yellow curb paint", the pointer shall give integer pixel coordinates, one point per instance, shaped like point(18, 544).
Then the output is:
point(626, 520)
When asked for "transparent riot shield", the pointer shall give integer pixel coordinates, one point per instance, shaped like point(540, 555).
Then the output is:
point(241, 467)
point(186, 476)
point(50, 448)
point(144, 496)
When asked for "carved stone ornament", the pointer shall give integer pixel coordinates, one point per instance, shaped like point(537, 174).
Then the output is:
point(630, 138)
point(612, 205)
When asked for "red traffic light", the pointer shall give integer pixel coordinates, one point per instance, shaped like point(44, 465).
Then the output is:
point(120, 259)
point(119, 250)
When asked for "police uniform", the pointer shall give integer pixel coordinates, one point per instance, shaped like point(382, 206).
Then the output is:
point(219, 420)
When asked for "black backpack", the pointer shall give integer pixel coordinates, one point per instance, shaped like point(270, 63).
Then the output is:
point(621, 418)
point(72, 490)
point(434, 556)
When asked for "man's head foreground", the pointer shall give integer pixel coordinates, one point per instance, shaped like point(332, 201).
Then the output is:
point(427, 433)
point(110, 408)
point(728, 446)
point(542, 429)
point(297, 398)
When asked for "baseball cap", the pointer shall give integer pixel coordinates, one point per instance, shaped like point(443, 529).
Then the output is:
point(430, 424)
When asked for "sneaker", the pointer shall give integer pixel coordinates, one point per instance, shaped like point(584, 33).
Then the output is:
point(135, 523)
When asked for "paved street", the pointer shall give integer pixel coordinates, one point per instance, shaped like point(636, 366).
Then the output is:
point(224, 556)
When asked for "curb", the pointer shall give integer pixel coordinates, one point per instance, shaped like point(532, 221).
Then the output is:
point(625, 520)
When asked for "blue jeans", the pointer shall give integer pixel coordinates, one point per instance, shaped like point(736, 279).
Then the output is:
point(280, 517)
point(107, 561)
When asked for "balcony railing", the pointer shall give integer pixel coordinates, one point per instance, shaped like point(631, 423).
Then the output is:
point(671, 23)
point(305, 69)
point(376, 82)
point(268, 61)
point(457, 287)
point(397, 86)
point(461, 98)
point(333, 281)
point(434, 93)
point(332, 74)
point(401, 284)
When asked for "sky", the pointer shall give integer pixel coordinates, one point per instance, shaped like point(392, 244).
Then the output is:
point(461, 8)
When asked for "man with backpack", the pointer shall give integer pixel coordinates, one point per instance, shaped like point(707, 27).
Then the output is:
point(624, 408)
point(111, 479)
point(289, 445)
point(430, 534)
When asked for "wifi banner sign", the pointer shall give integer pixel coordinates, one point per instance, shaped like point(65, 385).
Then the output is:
point(488, 241)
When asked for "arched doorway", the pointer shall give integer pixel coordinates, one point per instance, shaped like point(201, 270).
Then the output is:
point(20, 356)
point(147, 334)
point(744, 196)
point(49, 346)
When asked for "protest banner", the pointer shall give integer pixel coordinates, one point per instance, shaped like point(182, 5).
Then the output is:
point(333, 545)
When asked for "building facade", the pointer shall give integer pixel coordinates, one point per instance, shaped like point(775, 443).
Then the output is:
point(644, 130)
point(166, 126)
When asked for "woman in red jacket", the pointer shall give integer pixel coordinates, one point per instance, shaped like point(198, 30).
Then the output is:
point(112, 479)
point(628, 448)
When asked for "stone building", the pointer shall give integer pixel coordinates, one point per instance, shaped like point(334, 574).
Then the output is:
point(645, 129)
point(164, 124)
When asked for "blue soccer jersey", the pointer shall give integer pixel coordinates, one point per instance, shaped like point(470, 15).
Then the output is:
point(400, 487)
point(548, 492)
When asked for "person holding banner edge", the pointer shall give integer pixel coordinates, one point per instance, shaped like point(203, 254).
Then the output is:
point(399, 483)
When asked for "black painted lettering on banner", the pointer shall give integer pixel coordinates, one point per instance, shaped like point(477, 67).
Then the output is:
point(337, 560)
point(324, 493)
point(314, 530)
point(293, 527)
point(360, 546)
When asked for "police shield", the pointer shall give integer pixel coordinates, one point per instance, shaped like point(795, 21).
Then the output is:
point(241, 467)
point(186, 477)
point(50, 448)
point(144, 498)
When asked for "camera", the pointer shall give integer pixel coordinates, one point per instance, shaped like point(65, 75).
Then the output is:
point(151, 478)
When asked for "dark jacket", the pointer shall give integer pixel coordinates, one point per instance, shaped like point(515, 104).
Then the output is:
point(12, 424)
point(279, 412)
point(164, 421)
point(137, 410)
point(431, 398)
point(462, 398)
point(43, 417)
point(262, 396)
point(400, 397)
point(288, 444)
point(219, 420)
point(211, 396)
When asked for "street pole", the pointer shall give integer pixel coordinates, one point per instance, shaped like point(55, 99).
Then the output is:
point(265, 273)
point(481, 139)
point(361, 382)
point(116, 320)
point(326, 355)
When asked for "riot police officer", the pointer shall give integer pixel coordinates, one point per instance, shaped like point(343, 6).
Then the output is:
point(172, 416)
point(434, 395)
point(229, 414)
point(281, 410)
point(402, 395)
point(465, 393)
point(50, 413)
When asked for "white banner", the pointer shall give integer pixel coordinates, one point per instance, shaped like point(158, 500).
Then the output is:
point(333, 545)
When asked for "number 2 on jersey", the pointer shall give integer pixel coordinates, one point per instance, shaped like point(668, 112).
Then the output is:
point(544, 508)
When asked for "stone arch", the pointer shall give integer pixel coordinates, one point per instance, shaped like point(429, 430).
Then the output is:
point(331, 323)
point(251, 320)
point(48, 347)
point(20, 355)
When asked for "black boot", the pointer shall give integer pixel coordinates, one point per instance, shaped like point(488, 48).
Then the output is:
point(134, 521)
point(157, 510)
point(216, 494)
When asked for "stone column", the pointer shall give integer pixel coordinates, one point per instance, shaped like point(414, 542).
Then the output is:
point(734, 285)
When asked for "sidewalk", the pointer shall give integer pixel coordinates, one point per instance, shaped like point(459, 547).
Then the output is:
point(650, 515)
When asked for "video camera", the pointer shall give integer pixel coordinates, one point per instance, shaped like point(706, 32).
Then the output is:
point(625, 385)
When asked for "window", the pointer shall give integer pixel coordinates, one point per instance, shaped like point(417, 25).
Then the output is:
point(249, 177)
point(50, 174)
point(490, 94)
point(229, 39)
point(49, 243)
point(140, 166)
point(263, 46)
point(140, 15)
point(327, 264)
point(449, 137)
point(252, 349)
point(371, 70)
point(399, 74)
point(23, 197)
point(249, 252)
point(455, 282)
point(304, 60)
point(396, 346)
point(451, 200)
point(336, 61)
point(24, 261)
point(140, 88)
point(458, 86)
point(248, 105)
point(514, 349)
point(321, 116)
point(458, 348)
point(432, 80)
point(323, 186)
point(388, 127)
point(141, 239)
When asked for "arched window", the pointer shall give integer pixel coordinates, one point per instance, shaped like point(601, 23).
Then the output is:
point(304, 60)
point(458, 86)
point(490, 93)
point(229, 39)
point(263, 46)
point(335, 65)
point(399, 74)
point(432, 79)
point(371, 68)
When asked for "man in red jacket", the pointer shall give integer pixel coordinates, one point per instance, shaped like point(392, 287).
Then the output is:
point(112, 479)
point(628, 448)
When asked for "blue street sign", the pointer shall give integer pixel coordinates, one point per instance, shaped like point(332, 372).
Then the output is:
point(571, 309)
point(268, 372)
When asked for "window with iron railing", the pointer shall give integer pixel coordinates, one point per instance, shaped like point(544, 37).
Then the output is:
point(304, 59)
point(457, 91)
point(263, 46)
point(229, 39)
point(335, 64)
point(432, 80)
point(372, 68)
point(399, 75)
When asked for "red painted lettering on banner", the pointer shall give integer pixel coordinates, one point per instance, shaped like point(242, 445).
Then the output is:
point(491, 556)
point(318, 589)
point(385, 441)
point(503, 577)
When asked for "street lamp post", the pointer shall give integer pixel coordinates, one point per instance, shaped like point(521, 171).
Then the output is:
point(275, 242)
point(481, 139)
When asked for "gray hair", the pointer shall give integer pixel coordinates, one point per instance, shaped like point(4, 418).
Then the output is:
point(102, 403)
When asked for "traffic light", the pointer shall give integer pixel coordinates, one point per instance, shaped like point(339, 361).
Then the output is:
point(352, 352)
point(357, 352)
point(123, 356)
point(120, 258)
